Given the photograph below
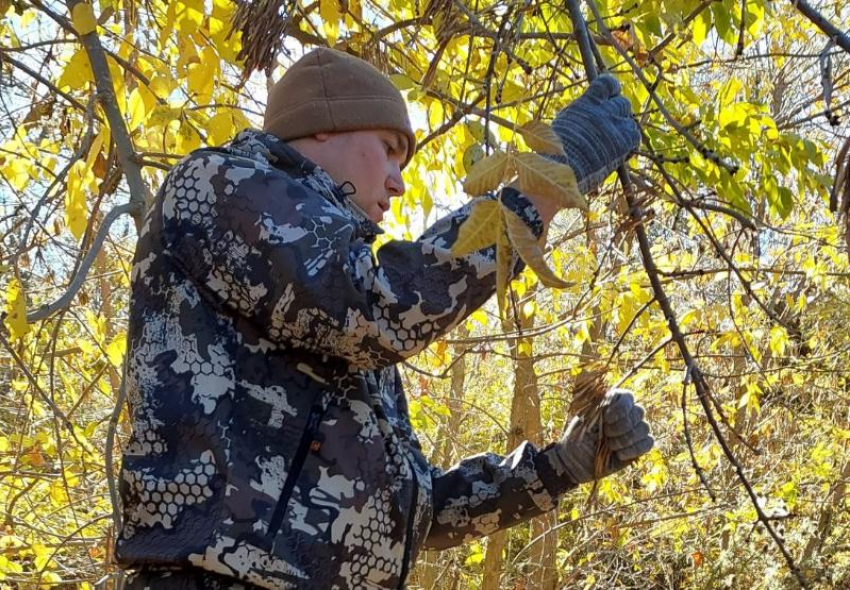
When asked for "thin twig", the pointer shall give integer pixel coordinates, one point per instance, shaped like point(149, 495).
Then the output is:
point(41, 393)
point(688, 440)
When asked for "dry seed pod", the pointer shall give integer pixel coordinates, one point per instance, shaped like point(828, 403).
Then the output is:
point(587, 400)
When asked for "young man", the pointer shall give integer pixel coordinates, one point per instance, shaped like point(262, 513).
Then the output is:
point(271, 443)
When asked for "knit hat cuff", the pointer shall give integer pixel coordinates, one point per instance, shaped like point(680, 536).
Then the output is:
point(340, 114)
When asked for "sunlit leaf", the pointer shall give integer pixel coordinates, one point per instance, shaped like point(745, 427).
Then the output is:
point(480, 228)
point(541, 138)
point(528, 247)
point(76, 212)
point(16, 309)
point(487, 174)
point(82, 17)
point(542, 177)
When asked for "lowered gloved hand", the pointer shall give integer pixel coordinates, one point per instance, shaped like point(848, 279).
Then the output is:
point(597, 132)
point(626, 432)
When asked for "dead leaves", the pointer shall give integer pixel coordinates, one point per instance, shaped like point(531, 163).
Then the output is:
point(588, 395)
point(491, 223)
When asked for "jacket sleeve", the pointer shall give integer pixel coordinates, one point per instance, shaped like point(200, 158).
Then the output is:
point(288, 260)
point(486, 493)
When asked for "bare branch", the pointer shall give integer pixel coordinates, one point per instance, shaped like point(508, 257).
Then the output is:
point(841, 39)
point(65, 300)
point(41, 79)
point(139, 193)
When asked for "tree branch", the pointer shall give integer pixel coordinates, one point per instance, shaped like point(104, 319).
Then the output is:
point(42, 80)
point(701, 385)
point(65, 300)
point(106, 95)
point(839, 38)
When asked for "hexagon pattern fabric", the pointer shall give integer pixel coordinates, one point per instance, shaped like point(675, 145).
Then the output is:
point(271, 442)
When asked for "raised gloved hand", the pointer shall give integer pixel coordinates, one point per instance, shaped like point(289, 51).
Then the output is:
point(624, 428)
point(597, 132)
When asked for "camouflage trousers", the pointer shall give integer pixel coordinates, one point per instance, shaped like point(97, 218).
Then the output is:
point(182, 579)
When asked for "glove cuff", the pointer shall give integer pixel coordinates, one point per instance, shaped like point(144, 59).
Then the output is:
point(552, 470)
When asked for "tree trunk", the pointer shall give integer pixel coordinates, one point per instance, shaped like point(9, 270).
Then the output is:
point(525, 425)
point(429, 564)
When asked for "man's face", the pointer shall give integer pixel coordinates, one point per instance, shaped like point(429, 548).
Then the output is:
point(369, 160)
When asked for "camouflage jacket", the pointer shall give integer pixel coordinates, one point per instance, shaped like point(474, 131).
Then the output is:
point(271, 440)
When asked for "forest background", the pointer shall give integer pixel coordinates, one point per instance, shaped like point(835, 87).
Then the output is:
point(716, 286)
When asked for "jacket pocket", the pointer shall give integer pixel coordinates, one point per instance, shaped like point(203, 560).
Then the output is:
point(308, 437)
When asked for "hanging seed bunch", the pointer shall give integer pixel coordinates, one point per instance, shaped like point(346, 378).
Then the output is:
point(590, 389)
point(263, 24)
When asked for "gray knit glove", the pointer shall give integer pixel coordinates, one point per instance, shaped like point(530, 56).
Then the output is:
point(626, 431)
point(597, 131)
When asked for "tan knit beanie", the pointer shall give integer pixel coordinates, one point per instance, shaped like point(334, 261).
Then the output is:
point(331, 91)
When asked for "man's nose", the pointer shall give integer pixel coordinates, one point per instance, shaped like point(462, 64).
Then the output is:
point(395, 184)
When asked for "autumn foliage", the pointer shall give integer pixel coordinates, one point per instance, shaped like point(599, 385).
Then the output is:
point(715, 285)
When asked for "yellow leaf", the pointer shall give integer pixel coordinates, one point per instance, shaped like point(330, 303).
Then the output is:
point(97, 146)
point(528, 247)
point(77, 72)
point(162, 85)
point(479, 229)
point(16, 310)
point(540, 137)
point(545, 178)
point(116, 349)
point(487, 174)
point(137, 109)
point(18, 171)
point(82, 17)
point(76, 212)
point(188, 140)
point(190, 15)
point(778, 340)
point(202, 75)
point(504, 266)
point(329, 11)
point(221, 128)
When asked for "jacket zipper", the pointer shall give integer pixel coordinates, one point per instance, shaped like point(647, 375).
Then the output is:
point(304, 445)
point(408, 538)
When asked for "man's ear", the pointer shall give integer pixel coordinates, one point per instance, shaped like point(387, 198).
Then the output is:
point(322, 136)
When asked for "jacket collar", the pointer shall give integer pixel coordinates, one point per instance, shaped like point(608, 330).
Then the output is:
point(281, 155)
